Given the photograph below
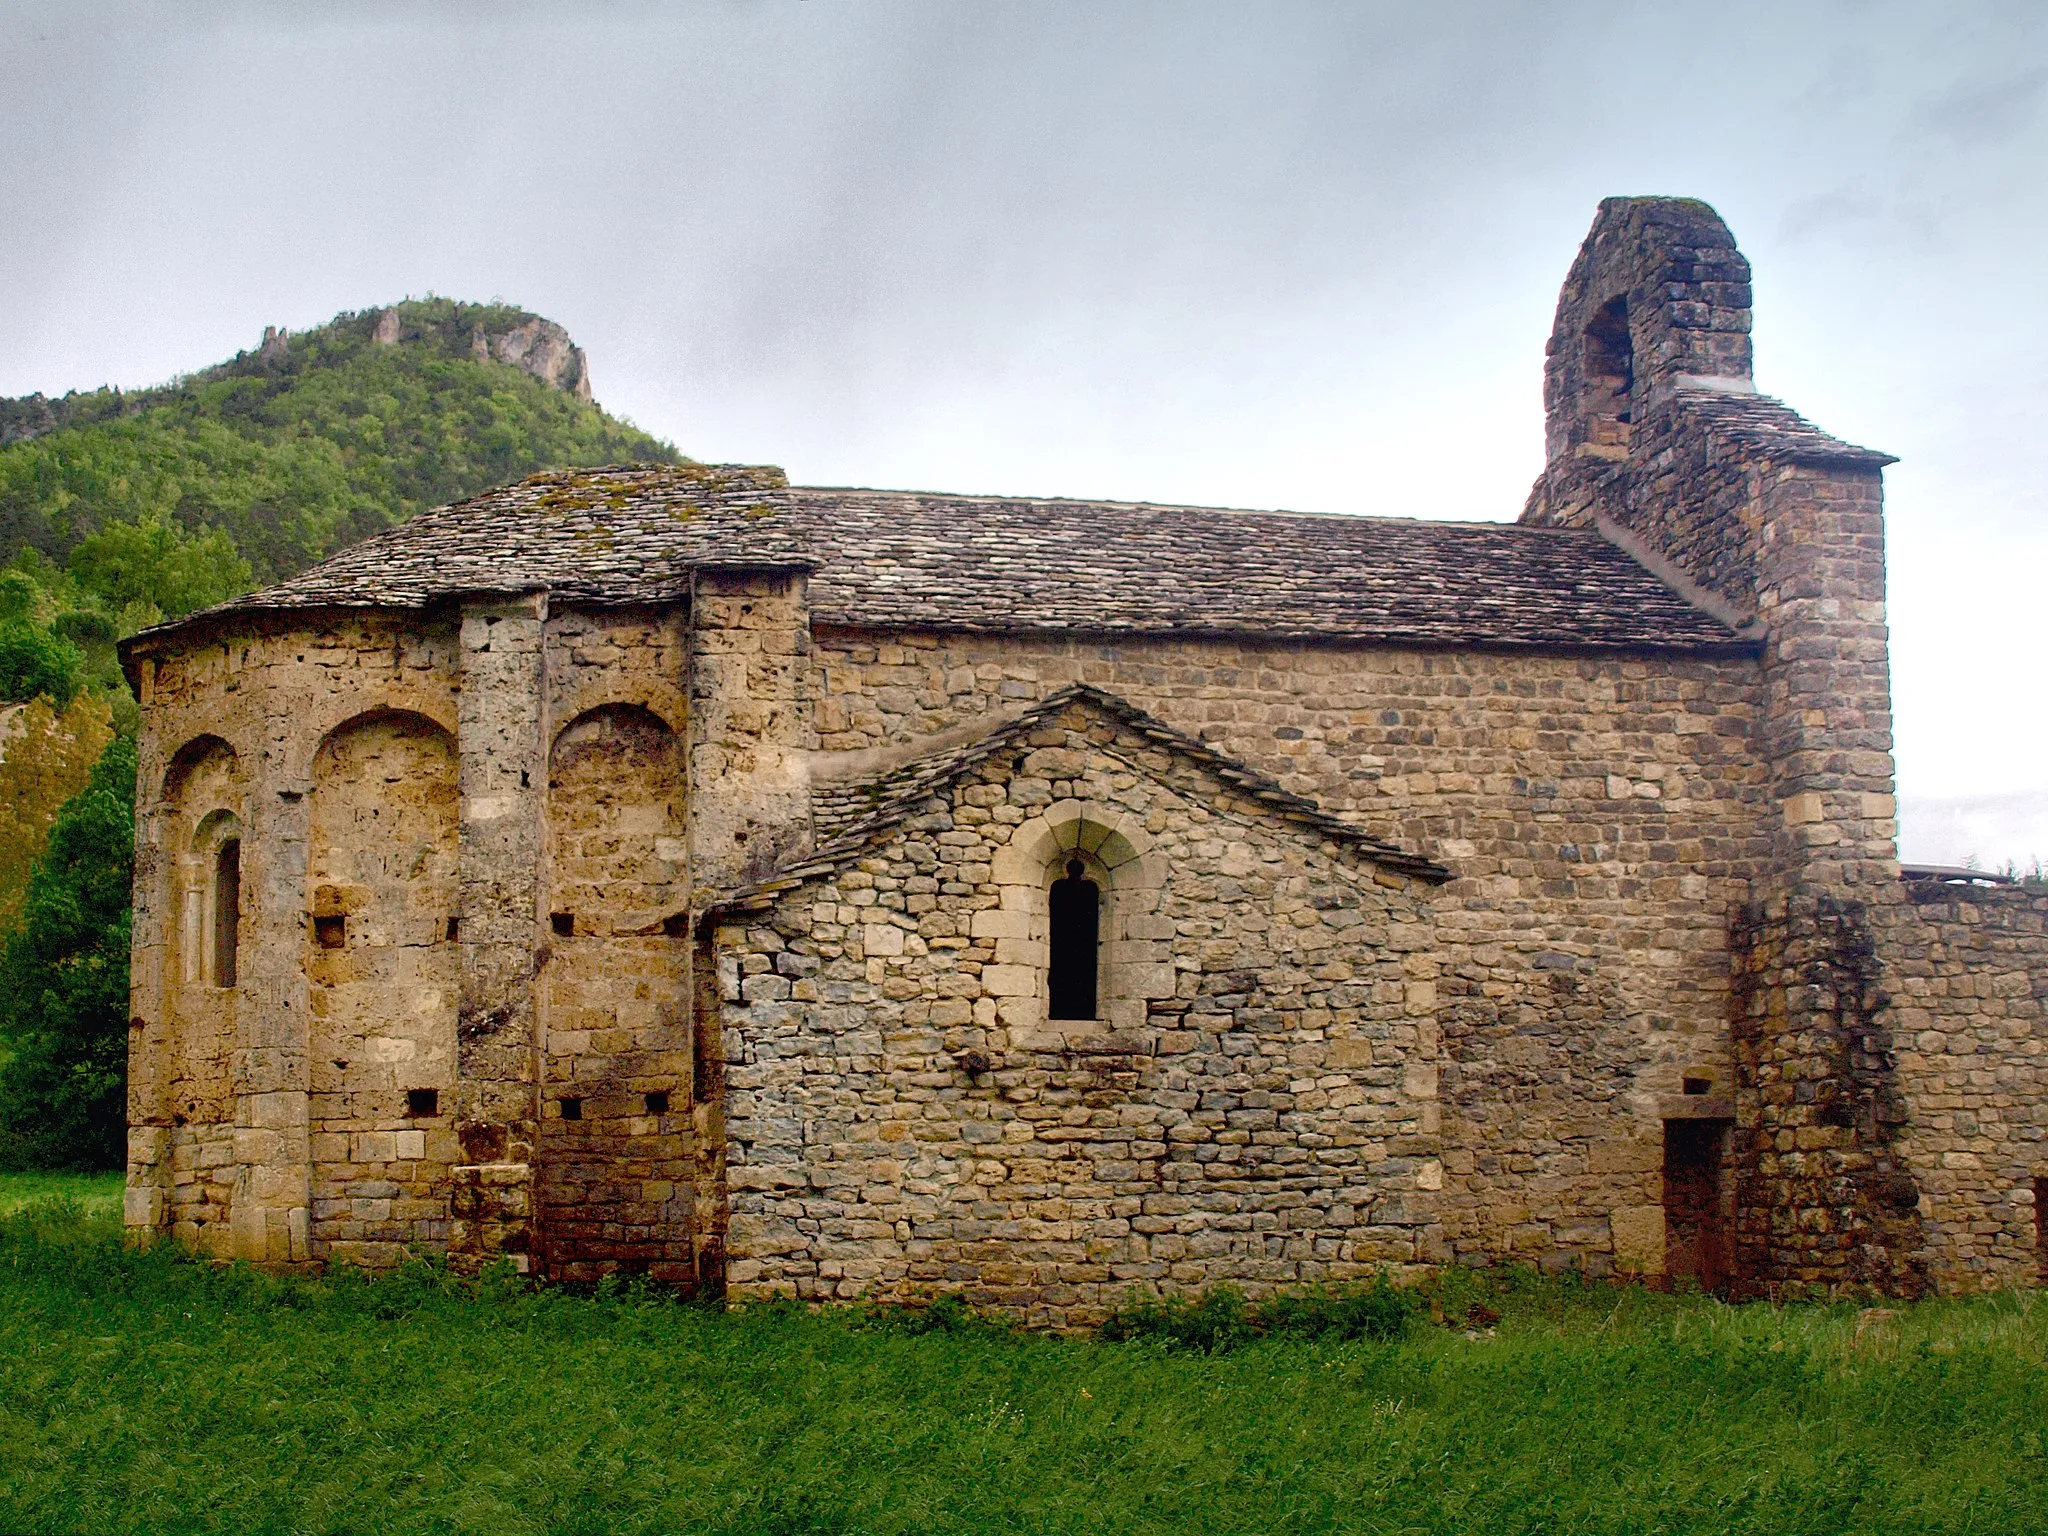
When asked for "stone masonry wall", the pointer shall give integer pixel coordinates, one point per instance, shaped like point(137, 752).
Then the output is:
point(1601, 815)
point(502, 740)
point(181, 1091)
point(267, 696)
point(617, 1153)
point(275, 1119)
point(383, 970)
point(1967, 975)
point(1824, 1199)
point(616, 1181)
point(750, 683)
point(903, 1118)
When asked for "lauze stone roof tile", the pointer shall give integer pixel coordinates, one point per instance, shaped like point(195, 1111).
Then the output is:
point(850, 817)
point(896, 559)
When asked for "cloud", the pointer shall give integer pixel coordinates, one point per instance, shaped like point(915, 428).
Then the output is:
point(1827, 213)
point(1975, 113)
point(1984, 831)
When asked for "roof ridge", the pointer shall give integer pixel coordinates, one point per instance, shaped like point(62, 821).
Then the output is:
point(1408, 520)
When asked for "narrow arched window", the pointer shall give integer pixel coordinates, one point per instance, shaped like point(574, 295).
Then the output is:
point(227, 910)
point(1076, 938)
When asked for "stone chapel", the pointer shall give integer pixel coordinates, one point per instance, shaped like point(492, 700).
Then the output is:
point(837, 893)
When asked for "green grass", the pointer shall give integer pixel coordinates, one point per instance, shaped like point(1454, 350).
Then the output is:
point(98, 1195)
point(139, 1392)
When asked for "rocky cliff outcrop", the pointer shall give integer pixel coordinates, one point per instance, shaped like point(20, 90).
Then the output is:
point(485, 333)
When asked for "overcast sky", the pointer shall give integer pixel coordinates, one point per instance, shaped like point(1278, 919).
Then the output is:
point(1257, 254)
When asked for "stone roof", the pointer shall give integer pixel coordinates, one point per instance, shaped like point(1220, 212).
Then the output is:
point(1771, 429)
point(892, 559)
point(853, 817)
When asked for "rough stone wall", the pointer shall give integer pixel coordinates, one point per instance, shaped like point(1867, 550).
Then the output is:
point(750, 682)
point(903, 1119)
point(383, 970)
point(1601, 815)
point(332, 749)
point(1826, 731)
point(1599, 812)
point(1968, 981)
point(1822, 1194)
point(617, 1182)
point(618, 1156)
point(1824, 1198)
point(502, 737)
point(270, 695)
point(181, 1095)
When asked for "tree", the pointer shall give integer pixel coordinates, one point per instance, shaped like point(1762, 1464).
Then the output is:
point(156, 560)
point(36, 664)
point(64, 984)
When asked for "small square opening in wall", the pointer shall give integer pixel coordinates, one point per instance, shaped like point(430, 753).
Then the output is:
point(421, 1103)
point(572, 1109)
point(454, 930)
point(564, 924)
point(330, 932)
point(657, 1102)
point(1695, 1086)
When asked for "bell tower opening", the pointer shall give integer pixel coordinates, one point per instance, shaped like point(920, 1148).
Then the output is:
point(1610, 375)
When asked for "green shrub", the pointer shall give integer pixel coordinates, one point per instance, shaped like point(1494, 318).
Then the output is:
point(947, 1313)
point(1378, 1312)
point(159, 561)
point(1220, 1319)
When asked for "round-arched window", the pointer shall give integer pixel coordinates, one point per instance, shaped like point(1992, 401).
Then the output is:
point(1075, 944)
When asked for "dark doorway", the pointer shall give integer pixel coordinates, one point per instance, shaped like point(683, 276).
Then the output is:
point(2041, 1225)
point(1694, 1229)
point(1076, 921)
point(227, 911)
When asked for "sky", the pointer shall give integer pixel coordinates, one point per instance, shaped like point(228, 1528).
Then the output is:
point(1268, 254)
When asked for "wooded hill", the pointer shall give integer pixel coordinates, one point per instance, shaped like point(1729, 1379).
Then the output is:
point(119, 508)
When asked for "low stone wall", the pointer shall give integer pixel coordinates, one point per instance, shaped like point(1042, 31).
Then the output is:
point(1968, 977)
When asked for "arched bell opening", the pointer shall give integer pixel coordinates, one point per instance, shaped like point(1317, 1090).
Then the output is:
point(1610, 375)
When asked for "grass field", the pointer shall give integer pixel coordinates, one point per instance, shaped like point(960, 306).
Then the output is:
point(142, 1393)
point(97, 1195)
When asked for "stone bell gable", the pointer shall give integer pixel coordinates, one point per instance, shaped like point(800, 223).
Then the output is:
point(838, 891)
point(1251, 1096)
